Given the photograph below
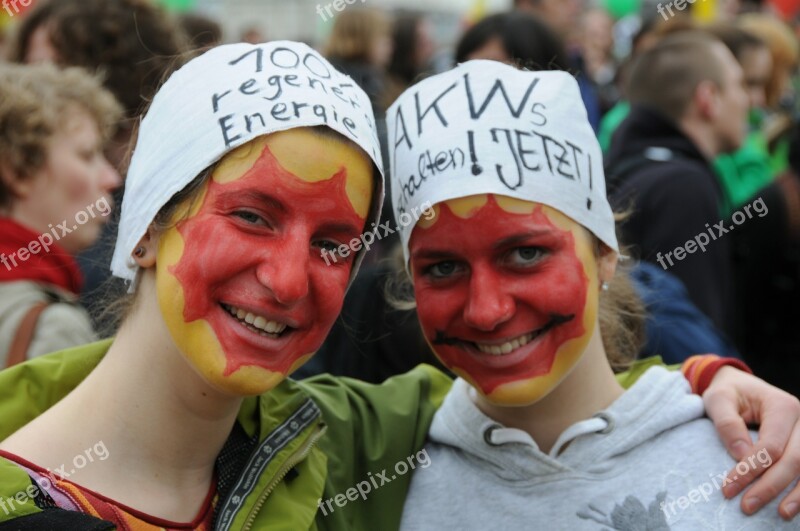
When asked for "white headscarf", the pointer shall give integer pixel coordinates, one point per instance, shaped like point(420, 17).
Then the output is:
point(221, 100)
point(488, 128)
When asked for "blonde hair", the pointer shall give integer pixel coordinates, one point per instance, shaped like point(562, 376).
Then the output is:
point(34, 100)
point(354, 34)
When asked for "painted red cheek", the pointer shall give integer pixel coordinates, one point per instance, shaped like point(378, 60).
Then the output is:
point(221, 258)
point(552, 295)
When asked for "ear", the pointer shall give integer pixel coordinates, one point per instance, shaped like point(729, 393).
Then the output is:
point(706, 99)
point(19, 186)
point(144, 254)
point(607, 263)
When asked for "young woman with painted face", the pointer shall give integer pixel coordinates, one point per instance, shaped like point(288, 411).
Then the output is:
point(518, 293)
point(186, 419)
point(249, 163)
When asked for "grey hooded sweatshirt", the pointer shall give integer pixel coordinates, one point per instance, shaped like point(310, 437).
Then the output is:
point(649, 462)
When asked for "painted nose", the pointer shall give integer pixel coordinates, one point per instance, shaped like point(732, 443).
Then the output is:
point(488, 306)
point(285, 273)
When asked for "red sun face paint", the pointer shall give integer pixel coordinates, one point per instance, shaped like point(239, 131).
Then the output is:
point(242, 285)
point(504, 293)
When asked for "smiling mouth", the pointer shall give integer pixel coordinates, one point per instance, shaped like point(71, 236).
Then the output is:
point(257, 324)
point(508, 346)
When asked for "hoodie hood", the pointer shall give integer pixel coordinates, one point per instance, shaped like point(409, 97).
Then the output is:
point(659, 401)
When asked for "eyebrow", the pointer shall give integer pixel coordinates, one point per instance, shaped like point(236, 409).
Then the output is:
point(255, 196)
point(519, 238)
point(433, 255)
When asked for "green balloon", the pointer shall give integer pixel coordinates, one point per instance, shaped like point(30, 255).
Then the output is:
point(622, 8)
point(178, 5)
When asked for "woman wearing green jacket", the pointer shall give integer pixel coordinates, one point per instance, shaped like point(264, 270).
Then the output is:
point(253, 166)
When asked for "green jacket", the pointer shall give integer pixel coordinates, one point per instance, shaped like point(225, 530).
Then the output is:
point(318, 439)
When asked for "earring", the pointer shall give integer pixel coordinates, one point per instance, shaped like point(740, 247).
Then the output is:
point(604, 286)
point(139, 252)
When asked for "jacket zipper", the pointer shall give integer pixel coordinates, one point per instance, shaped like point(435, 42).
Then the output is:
point(290, 463)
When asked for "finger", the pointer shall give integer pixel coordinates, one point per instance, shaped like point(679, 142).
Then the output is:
point(722, 408)
point(790, 505)
point(782, 473)
point(746, 471)
point(778, 414)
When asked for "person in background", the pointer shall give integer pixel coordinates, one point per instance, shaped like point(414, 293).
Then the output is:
point(689, 106)
point(747, 170)
point(54, 125)
point(360, 45)
point(563, 17)
point(133, 44)
point(515, 38)
point(781, 101)
point(597, 49)
point(412, 50)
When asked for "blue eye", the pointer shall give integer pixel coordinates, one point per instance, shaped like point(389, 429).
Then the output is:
point(526, 256)
point(442, 269)
point(250, 217)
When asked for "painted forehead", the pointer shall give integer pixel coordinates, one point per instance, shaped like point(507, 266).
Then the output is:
point(311, 157)
point(468, 207)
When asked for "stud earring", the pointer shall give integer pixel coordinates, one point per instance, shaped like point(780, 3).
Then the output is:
point(139, 252)
point(604, 286)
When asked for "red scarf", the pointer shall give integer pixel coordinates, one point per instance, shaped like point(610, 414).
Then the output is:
point(54, 267)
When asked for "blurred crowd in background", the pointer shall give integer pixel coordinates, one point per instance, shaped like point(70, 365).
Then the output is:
point(675, 155)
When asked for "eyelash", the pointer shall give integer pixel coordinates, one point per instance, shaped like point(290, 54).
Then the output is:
point(540, 254)
point(244, 214)
point(247, 216)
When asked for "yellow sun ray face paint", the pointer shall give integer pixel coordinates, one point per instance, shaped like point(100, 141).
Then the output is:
point(506, 293)
point(241, 282)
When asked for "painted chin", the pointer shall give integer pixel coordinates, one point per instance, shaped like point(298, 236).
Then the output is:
point(269, 344)
point(494, 367)
point(526, 351)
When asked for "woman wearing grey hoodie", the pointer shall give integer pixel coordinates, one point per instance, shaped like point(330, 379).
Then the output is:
point(518, 292)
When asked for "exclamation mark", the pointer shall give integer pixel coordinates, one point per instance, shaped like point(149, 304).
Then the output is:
point(589, 199)
point(476, 168)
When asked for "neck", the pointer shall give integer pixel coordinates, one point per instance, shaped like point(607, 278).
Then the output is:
point(158, 419)
point(589, 388)
point(701, 137)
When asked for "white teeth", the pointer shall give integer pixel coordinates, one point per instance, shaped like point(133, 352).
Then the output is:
point(505, 348)
point(257, 321)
